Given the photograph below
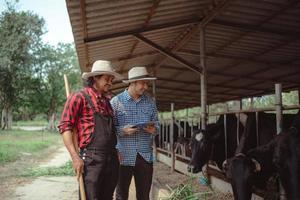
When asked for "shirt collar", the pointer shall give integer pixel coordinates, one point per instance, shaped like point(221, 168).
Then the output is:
point(128, 97)
point(94, 92)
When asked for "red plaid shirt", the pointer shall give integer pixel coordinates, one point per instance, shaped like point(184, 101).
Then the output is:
point(77, 113)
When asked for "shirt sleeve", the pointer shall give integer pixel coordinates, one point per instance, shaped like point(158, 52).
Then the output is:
point(154, 117)
point(114, 104)
point(70, 113)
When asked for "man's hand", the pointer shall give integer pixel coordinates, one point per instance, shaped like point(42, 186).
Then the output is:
point(120, 157)
point(77, 165)
point(150, 128)
point(129, 130)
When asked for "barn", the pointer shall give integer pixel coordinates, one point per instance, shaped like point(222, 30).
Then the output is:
point(202, 52)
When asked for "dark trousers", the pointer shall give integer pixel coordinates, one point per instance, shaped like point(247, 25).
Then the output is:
point(100, 175)
point(142, 172)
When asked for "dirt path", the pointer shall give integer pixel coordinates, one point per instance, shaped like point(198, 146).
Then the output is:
point(14, 187)
point(48, 188)
point(63, 188)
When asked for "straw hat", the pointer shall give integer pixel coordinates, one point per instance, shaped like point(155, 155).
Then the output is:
point(102, 67)
point(137, 74)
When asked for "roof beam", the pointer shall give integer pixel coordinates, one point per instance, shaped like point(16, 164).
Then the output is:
point(142, 30)
point(242, 59)
point(197, 91)
point(209, 84)
point(186, 35)
point(217, 73)
point(217, 8)
point(146, 24)
point(168, 53)
point(260, 24)
point(251, 28)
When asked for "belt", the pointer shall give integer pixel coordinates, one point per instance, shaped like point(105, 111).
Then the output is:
point(94, 149)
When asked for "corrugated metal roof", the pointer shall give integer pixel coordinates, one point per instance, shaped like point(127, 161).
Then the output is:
point(250, 45)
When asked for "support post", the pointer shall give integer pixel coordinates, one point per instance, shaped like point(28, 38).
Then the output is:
point(203, 79)
point(239, 108)
point(298, 96)
point(278, 105)
point(159, 133)
point(172, 138)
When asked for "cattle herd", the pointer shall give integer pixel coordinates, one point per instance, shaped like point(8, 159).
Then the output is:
point(250, 153)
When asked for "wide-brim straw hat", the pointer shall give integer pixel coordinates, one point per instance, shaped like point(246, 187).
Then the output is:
point(138, 74)
point(102, 67)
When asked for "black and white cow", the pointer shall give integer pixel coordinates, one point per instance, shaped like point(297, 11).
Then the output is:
point(181, 136)
point(284, 153)
point(247, 168)
point(209, 144)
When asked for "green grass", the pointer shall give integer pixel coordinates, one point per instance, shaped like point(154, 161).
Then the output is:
point(65, 170)
point(187, 191)
point(17, 142)
point(31, 123)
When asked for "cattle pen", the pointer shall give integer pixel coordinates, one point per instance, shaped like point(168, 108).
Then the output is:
point(202, 53)
point(178, 158)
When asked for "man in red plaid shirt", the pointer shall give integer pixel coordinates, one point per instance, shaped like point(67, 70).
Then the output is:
point(90, 114)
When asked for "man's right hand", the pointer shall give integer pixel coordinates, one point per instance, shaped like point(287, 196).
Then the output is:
point(129, 130)
point(78, 166)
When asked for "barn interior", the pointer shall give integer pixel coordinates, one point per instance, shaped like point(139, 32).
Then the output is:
point(242, 48)
point(249, 45)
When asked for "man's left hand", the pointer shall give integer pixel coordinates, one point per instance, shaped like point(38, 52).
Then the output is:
point(150, 128)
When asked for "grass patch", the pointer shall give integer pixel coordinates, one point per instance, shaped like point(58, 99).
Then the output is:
point(65, 170)
point(30, 123)
point(15, 143)
point(187, 191)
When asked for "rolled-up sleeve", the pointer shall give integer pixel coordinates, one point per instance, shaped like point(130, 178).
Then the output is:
point(154, 117)
point(70, 113)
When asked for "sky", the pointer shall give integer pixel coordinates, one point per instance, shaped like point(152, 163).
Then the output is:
point(56, 17)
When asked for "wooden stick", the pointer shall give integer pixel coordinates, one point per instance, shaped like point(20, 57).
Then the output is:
point(75, 142)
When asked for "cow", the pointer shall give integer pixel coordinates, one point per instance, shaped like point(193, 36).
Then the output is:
point(247, 169)
point(181, 140)
point(209, 144)
point(284, 155)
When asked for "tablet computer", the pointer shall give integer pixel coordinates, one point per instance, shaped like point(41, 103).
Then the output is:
point(142, 124)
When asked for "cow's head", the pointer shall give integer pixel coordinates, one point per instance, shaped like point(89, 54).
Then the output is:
point(241, 170)
point(201, 144)
point(254, 168)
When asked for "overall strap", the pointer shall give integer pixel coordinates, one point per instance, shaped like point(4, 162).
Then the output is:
point(89, 100)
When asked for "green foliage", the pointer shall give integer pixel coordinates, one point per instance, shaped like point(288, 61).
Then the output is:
point(31, 72)
point(65, 170)
point(20, 34)
point(20, 37)
point(53, 63)
point(16, 143)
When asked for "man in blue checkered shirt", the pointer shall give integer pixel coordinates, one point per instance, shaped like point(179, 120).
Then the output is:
point(136, 122)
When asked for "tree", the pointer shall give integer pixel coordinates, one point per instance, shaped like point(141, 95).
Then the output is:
point(53, 63)
point(20, 37)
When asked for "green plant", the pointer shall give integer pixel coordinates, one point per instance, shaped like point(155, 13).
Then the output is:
point(187, 191)
point(65, 170)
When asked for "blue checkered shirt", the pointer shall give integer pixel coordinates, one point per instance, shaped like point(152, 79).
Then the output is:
point(127, 111)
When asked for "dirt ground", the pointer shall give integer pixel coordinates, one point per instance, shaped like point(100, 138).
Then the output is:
point(10, 173)
point(15, 187)
point(167, 180)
